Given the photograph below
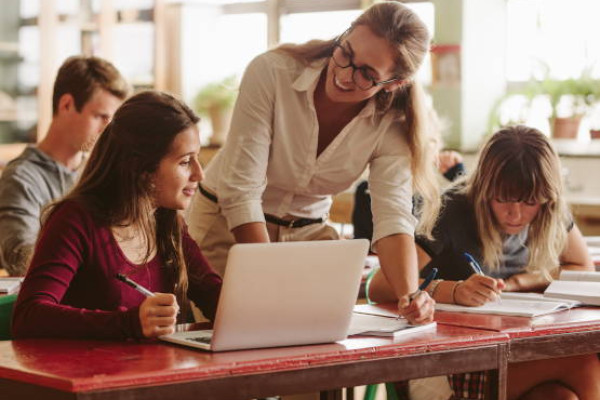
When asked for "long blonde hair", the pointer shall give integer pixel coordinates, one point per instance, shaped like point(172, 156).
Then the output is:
point(519, 163)
point(408, 35)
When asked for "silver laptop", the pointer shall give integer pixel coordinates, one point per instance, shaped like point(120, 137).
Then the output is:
point(283, 294)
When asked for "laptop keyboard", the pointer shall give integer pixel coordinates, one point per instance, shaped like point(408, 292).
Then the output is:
point(205, 338)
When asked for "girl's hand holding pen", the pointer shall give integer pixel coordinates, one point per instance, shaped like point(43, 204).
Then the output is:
point(478, 290)
point(158, 315)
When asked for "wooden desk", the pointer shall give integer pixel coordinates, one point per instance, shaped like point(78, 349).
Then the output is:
point(62, 369)
point(561, 334)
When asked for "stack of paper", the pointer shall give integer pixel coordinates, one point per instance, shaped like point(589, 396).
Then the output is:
point(374, 325)
point(529, 305)
point(583, 286)
point(10, 285)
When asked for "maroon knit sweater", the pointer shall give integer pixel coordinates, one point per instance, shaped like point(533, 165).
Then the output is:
point(70, 289)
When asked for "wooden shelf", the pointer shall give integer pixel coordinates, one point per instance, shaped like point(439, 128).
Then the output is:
point(9, 47)
point(17, 116)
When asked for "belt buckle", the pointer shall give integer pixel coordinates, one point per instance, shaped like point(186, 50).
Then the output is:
point(291, 224)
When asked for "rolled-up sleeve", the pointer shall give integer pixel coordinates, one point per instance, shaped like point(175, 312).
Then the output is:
point(390, 184)
point(246, 153)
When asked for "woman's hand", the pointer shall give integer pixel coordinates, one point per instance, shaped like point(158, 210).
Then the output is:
point(158, 315)
point(478, 290)
point(418, 311)
point(448, 159)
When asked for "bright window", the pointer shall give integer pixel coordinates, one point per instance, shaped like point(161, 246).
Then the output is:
point(555, 40)
point(300, 28)
point(555, 34)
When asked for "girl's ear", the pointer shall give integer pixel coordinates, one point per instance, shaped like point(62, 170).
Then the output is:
point(148, 181)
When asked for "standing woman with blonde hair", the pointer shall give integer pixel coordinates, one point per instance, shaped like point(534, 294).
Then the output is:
point(122, 218)
point(308, 121)
point(510, 214)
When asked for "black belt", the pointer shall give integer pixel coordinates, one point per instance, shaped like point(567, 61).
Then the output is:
point(294, 223)
point(208, 194)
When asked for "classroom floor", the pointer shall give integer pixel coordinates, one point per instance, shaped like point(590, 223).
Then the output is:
point(359, 393)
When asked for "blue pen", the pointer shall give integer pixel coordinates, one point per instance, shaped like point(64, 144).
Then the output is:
point(477, 269)
point(422, 286)
point(474, 264)
point(425, 283)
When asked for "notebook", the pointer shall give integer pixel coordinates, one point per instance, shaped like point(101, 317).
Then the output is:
point(515, 304)
point(10, 285)
point(583, 286)
point(377, 325)
point(283, 294)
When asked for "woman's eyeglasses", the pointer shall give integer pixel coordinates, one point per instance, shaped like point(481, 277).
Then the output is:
point(360, 75)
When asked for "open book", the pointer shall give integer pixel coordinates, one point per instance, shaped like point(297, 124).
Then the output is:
point(10, 285)
point(378, 325)
point(583, 286)
point(515, 304)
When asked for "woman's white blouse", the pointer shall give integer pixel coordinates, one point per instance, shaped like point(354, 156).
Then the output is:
point(269, 163)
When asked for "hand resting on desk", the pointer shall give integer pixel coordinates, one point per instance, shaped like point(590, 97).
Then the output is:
point(158, 315)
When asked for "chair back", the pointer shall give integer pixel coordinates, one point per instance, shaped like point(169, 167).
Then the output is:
point(7, 304)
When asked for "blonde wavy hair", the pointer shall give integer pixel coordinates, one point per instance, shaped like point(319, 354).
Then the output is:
point(518, 163)
point(408, 35)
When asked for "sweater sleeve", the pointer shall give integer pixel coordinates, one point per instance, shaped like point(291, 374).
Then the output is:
point(204, 283)
point(64, 246)
point(20, 220)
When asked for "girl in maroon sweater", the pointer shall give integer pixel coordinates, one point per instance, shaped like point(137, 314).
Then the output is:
point(122, 218)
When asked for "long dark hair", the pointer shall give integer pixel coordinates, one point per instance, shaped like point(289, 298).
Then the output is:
point(115, 184)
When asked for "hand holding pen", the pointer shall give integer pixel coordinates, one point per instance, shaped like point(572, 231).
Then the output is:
point(415, 306)
point(474, 264)
point(478, 289)
point(157, 313)
point(424, 284)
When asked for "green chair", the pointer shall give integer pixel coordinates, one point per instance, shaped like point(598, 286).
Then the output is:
point(371, 390)
point(7, 304)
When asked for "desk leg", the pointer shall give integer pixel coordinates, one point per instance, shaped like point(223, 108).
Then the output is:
point(497, 378)
point(335, 394)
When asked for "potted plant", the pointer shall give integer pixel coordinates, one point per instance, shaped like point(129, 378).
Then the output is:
point(215, 100)
point(569, 100)
point(595, 121)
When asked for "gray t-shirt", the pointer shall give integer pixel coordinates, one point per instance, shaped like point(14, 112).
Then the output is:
point(28, 183)
point(456, 233)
